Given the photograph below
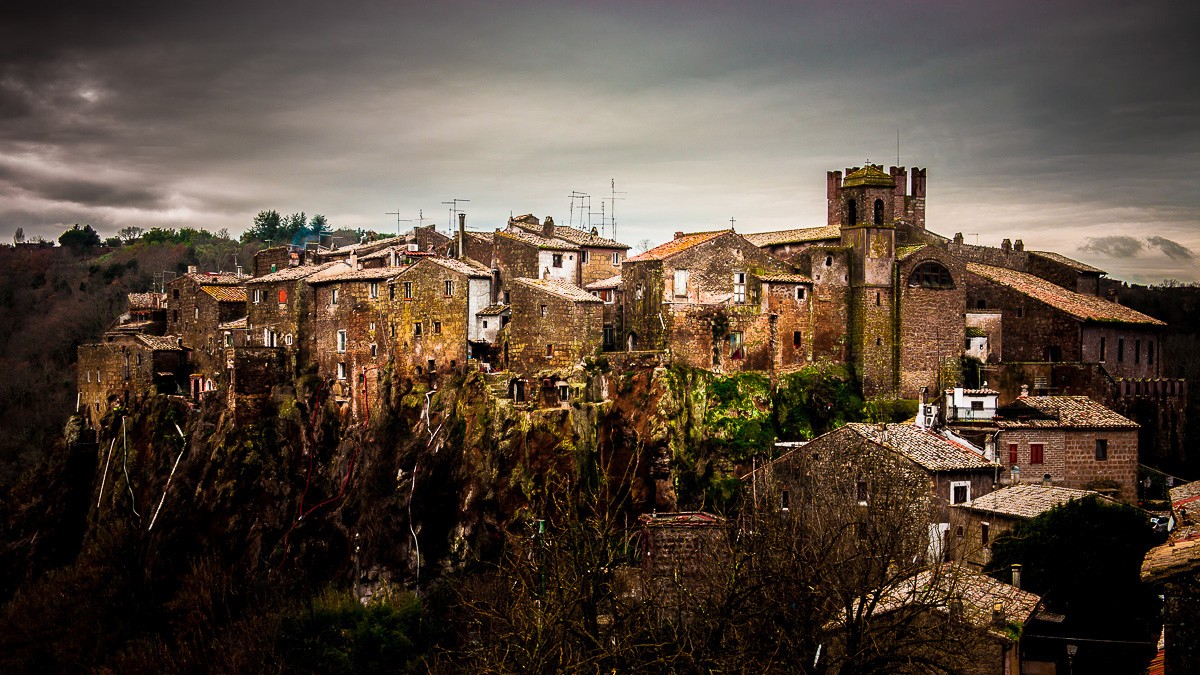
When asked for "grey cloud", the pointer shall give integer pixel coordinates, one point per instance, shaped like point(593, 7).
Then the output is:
point(1115, 246)
point(1173, 250)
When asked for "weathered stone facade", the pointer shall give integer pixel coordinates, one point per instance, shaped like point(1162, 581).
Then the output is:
point(197, 304)
point(123, 366)
point(281, 309)
point(554, 326)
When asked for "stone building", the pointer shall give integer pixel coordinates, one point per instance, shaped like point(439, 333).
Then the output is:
point(351, 342)
point(276, 258)
point(554, 326)
point(1174, 568)
point(598, 259)
point(432, 308)
point(1041, 321)
point(123, 366)
point(280, 311)
point(609, 292)
point(700, 296)
point(145, 313)
point(518, 252)
point(866, 459)
point(197, 304)
point(975, 524)
point(1070, 441)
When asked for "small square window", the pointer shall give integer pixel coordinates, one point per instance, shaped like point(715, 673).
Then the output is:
point(556, 260)
point(341, 371)
point(544, 310)
point(977, 405)
point(960, 492)
point(801, 293)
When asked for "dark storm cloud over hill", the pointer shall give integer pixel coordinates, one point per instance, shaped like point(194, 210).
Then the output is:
point(1052, 122)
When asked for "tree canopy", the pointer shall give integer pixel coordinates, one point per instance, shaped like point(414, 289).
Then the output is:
point(79, 238)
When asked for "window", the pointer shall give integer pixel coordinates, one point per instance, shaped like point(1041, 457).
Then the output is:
point(549, 350)
point(374, 350)
point(1020, 312)
point(785, 499)
point(1137, 351)
point(860, 492)
point(829, 261)
point(681, 283)
point(391, 291)
point(408, 290)
point(852, 212)
point(437, 327)
point(608, 296)
point(341, 341)
point(1101, 449)
point(1012, 453)
point(417, 329)
point(175, 294)
point(876, 298)
point(1102, 350)
point(616, 259)
point(735, 345)
point(373, 289)
point(485, 323)
point(544, 310)
point(878, 211)
point(739, 287)
point(333, 296)
point(931, 275)
point(257, 295)
point(960, 492)
point(341, 371)
point(977, 405)
point(981, 304)
point(1120, 350)
point(797, 339)
point(228, 339)
point(371, 326)
point(583, 257)
point(610, 336)
point(449, 287)
point(564, 392)
point(197, 312)
point(283, 296)
point(287, 339)
point(801, 294)
point(556, 260)
point(984, 531)
point(1036, 451)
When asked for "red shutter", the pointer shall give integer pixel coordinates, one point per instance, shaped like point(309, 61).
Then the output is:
point(1035, 453)
point(1012, 453)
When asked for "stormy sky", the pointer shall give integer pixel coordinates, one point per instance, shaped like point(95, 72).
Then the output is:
point(1071, 125)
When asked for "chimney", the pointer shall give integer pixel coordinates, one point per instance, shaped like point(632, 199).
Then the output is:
point(1019, 246)
point(1006, 246)
point(1024, 391)
point(1016, 575)
point(462, 235)
point(192, 269)
point(679, 235)
point(548, 227)
point(353, 260)
point(958, 238)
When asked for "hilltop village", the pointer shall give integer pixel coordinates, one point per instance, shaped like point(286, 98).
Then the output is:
point(1033, 385)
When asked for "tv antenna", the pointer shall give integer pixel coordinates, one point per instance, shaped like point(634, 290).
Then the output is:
point(612, 210)
point(601, 214)
point(576, 194)
point(454, 210)
point(398, 220)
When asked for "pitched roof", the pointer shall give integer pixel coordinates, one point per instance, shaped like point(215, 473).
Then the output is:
point(492, 310)
point(1061, 412)
point(611, 282)
point(362, 247)
point(677, 245)
point(584, 238)
point(369, 274)
point(1025, 500)
point(160, 343)
point(561, 289)
point(226, 293)
point(537, 240)
point(1083, 307)
point(1069, 262)
point(1179, 555)
point(781, 278)
point(293, 273)
point(144, 301)
point(868, 175)
point(214, 278)
point(1185, 494)
point(399, 249)
point(469, 268)
point(902, 252)
point(797, 236)
point(235, 324)
point(926, 448)
point(980, 593)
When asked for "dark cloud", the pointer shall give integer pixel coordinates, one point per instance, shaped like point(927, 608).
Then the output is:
point(1173, 250)
point(1114, 246)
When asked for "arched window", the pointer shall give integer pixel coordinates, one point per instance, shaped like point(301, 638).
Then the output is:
point(878, 211)
point(852, 212)
point(931, 275)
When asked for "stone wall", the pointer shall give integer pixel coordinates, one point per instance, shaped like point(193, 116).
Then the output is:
point(793, 328)
point(1126, 351)
point(121, 368)
point(283, 314)
point(931, 328)
point(270, 260)
point(194, 316)
point(600, 265)
point(553, 340)
point(1031, 329)
point(355, 366)
point(1069, 457)
point(429, 328)
point(829, 268)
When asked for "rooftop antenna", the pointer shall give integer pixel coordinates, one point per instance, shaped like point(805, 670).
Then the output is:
point(454, 211)
point(612, 211)
point(398, 220)
point(601, 214)
point(576, 194)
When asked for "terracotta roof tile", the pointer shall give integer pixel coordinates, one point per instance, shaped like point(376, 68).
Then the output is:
point(1069, 262)
point(226, 293)
point(797, 236)
point(933, 587)
point(781, 278)
point(583, 238)
point(369, 274)
point(1025, 500)
point(1062, 412)
point(215, 278)
point(868, 175)
point(926, 448)
point(678, 245)
point(552, 244)
point(492, 310)
point(611, 282)
point(294, 273)
point(1083, 307)
point(160, 343)
point(467, 267)
point(1179, 555)
point(144, 301)
point(1186, 494)
point(235, 324)
point(561, 289)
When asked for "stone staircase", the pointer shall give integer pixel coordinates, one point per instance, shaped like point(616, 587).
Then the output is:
point(497, 383)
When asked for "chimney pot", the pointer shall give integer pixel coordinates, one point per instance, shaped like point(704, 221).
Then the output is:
point(1006, 246)
point(998, 614)
point(1016, 575)
point(1019, 245)
point(679, 235)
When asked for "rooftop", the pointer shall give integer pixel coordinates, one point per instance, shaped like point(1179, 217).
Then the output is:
point(561, 289)
point(869, 175)
point(144, 301)
point(584, 238)
point(1060, 412)
point(294, 273)
point(226, 293)
point(1069, 262)
point(1181, 554)
point(929, 450)
point(214, 278)
point(469, 268)
point(236, 324)
point(679, 244)
point(370, 274)
point(1083, 307)
point(160, 343)
point(1025, 500)
point(781, 278)
point(552, 244)
point(979, 594)
point(492, 310)
point(611, 282)
point(797, 236)
point(1186, 494)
